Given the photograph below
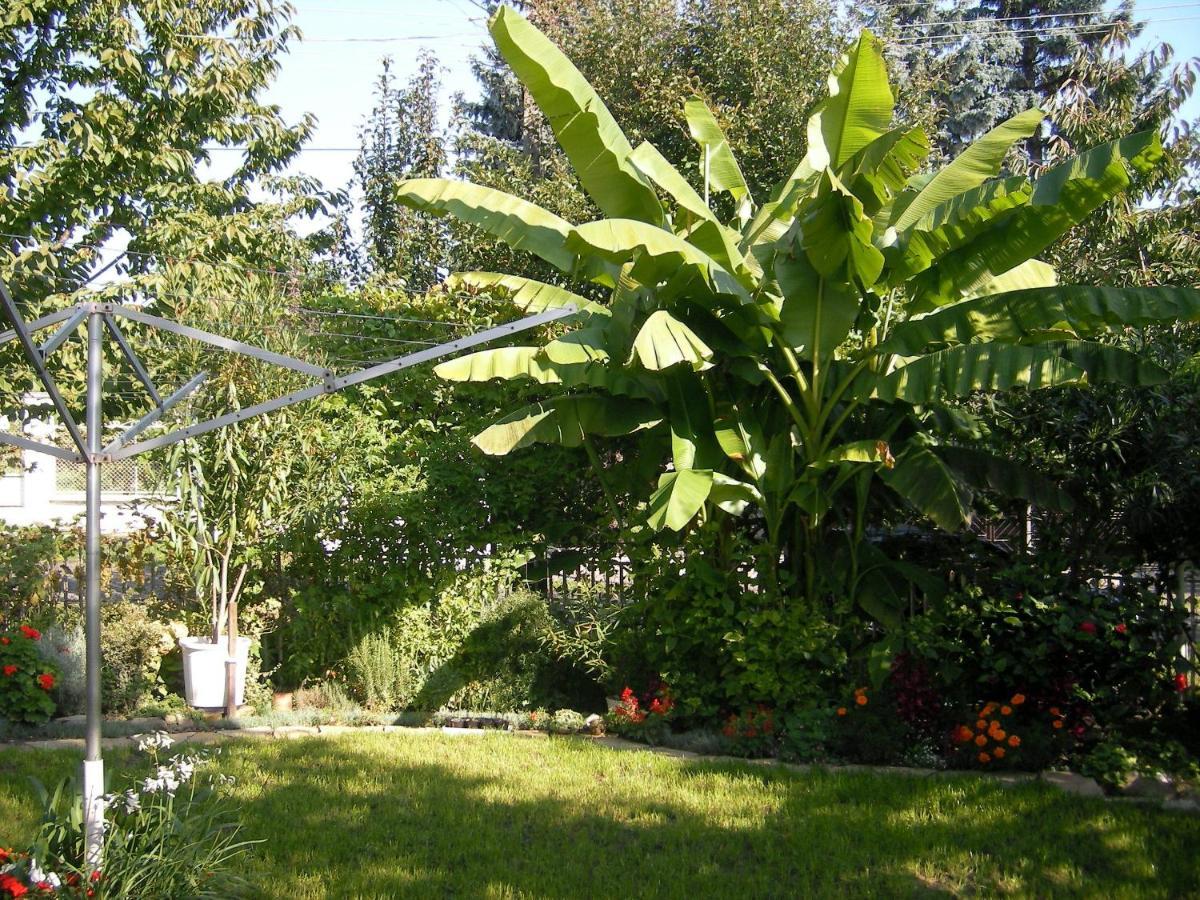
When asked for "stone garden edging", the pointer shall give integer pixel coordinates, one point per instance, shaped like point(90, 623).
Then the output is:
point(1143, 790)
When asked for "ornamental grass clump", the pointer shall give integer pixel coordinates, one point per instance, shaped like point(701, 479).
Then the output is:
point(26, 678)
point(168, 833)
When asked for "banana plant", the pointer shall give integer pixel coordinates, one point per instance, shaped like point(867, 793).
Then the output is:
point(812, 352)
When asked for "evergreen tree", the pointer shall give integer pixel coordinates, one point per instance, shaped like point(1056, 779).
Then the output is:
point(402, 139)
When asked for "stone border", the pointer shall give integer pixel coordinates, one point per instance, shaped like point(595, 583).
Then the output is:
point(1142, 790)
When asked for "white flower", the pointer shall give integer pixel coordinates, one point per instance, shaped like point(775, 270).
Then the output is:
point(133, 802)
point(35, 871)
point(159, 740)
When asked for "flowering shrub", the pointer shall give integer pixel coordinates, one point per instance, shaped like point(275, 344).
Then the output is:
point(869, 729)
point(1019, 734)
point(26, 679)
point(167, 834)
point(647, 720)
point(752, 731)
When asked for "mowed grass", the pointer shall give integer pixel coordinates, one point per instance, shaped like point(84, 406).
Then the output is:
point(430, 815)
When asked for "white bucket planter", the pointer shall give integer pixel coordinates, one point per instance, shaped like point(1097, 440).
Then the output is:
point(204, 671)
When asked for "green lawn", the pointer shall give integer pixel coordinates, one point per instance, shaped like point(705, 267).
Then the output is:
point(426, 815)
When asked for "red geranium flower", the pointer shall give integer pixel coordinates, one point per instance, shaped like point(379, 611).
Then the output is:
point(11, 886)
point(1181, 682)
point(1121, 628)
point(9, 671)
point(1087, 627)
point(46, 680)
point(32, 633)
point(5, 641)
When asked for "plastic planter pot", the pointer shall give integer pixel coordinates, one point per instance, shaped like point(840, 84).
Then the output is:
point(204, 671)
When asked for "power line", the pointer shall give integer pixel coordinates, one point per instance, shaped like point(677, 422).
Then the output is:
point(1093, 29)
point(903, 26)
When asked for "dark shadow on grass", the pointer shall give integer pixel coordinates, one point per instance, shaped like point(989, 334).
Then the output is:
point(395, 828)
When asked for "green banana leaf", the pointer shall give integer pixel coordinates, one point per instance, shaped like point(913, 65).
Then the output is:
point(1061, 199)
point(926, 482)
point(858, 109)
point(971, 168)
point(718, 164)
point(657, 255)
point(817, 313)
point(582, 125)
point(653, 165)
point(1076, 309)
point(1033, 273)
point(836, 236)
point(566, 421)
point(526, 294)
point(1103, 362)
point(733, 496)
point(984, 470)
point(663, 341)
point(520, 224)
point(679, 497)
point(502, 362)
point(963, 370)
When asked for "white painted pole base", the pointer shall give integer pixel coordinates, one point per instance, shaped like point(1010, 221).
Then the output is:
point(93, 812)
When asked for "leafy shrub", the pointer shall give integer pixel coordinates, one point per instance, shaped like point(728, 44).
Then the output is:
point(26, 678)
point(752, 732)
point(1014, 733)
point(566, 721)
point(171, 834)
point(869, 730)
point(806, 734)
point(1105, 655)
point(1110, 764)
point(132, 645)
point(65, 646)
point(376, 672)
point(646, 718)
point(724, 642)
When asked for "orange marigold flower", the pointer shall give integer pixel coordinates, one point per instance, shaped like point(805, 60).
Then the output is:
point(962, 734)
point(980, 741)
point(1055, 711)
point(1006, 710)
point(998, 753)
point(1058, 723)
point(1017, 699)
point(989, 709)
point(841, 710)
point(1014, 741)
point(984, 758)
point(858, 691)
point(981, 724)
point(861, 700)
point(999, 734)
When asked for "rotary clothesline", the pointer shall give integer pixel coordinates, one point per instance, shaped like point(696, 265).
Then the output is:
point(102, 317)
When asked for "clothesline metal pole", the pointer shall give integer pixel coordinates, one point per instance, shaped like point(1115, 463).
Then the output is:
point(93, 763)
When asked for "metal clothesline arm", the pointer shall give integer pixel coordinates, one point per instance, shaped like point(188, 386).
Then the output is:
point(333, 384)
point(224, 343)
point(25, 443)
point(39, 323)
point(56, 340)
point(39, 365)
point(133, 360)
point(155, 414)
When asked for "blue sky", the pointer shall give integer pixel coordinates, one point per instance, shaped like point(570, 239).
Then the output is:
point(332, 71)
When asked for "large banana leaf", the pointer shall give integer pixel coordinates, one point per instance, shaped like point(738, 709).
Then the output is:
point(971, 168)
point(1061, 199)
point(963, 370)
point(566, 421)
point(858, 109)
point(658, 256)
point(652, 164)
point(1033, 273)
point(1076, 309)
point(679, 497)
point(883, 167)
point(929, 484)
point(1010, 479)
point(520, 224)
point(720, 167)
point(837, 236)
point(663, 341)
point(526, 294)
point(693, 443)
point(582, 124)
point(733, 496)
point(817, 313)
point(501, 362)
point(775, 216)
point(1106, 363)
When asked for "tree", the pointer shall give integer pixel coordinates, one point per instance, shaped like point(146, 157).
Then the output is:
point(401, 139)
point(813, 347)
